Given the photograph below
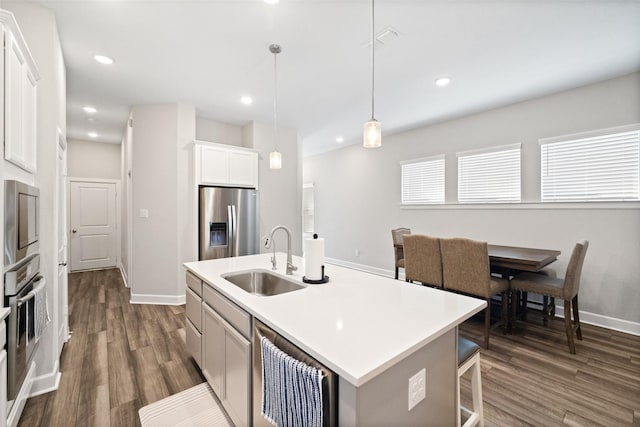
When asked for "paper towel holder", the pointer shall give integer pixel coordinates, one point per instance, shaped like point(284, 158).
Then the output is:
point(324, 279)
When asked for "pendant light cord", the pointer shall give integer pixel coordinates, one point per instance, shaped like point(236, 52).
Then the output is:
point(373, 60)
point(275, 91)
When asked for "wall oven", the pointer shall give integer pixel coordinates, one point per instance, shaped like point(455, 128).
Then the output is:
point(25, 282)
point(21, 221)
point(22, 280)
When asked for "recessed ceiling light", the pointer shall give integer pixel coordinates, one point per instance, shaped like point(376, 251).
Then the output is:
point(91, 119)
point(89, 110)
point(339, 140)
point(93, 134)
point(103, 59)
point(271, 1)
point(442, 81)
point(246, 100)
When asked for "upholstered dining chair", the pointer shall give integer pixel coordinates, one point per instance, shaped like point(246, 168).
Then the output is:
point(397, 235)
point(565, 289)
point(465, 269)
point(422, 260)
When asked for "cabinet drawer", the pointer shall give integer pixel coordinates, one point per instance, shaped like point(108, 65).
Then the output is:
point(230, 312)
point(194, 283)
point(194, 342)
point(194, 309)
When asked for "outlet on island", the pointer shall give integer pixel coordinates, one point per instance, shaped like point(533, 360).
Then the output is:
point(417, 388)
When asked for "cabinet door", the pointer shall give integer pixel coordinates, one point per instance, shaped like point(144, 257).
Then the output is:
point(3, 387)
point(194, 342)
point(14, 62)
point(214, 165)
point(237, 377)
point(243, 168)
point(213, 341)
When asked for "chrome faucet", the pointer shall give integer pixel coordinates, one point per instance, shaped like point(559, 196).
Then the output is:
point(269, 241)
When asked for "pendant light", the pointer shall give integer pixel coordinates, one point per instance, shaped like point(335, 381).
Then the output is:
point(275, 157)
point(372, 135)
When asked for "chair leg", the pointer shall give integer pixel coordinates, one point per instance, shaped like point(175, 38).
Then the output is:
point(568, 325)
point(504, 311)
point(476, 391)
point(576, 317)
point(545, 310)
point(552, 307)
point(523, 302)
point(397, 274)
point(487, 323)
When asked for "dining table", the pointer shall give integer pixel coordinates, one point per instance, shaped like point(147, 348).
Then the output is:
point(514, 258)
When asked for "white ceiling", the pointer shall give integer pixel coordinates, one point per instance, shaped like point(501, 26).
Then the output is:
point(208, 53)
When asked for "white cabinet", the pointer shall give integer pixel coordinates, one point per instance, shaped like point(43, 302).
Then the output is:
point(227, 357)
point(217, 164)
point(193, 317)
point(20, 97)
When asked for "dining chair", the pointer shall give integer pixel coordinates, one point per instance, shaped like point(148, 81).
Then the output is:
point(469, 358)
point(465, 269)
point(397, 235)
point(422, 260)
point(565, 289)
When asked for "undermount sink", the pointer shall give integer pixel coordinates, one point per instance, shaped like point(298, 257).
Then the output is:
point(262, 282)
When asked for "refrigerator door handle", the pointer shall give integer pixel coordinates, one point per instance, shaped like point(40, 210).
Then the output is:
point(231, 233)
point(235, 227)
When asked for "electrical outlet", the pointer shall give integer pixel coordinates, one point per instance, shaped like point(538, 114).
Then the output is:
point(417, 388)
point(143, 213)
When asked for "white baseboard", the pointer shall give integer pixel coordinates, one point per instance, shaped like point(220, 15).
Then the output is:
point(608, 322)
point(157, 299)
point(123, 273)
point(45, 383)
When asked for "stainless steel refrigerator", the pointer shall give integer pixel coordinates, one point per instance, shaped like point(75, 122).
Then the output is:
point(228, 220)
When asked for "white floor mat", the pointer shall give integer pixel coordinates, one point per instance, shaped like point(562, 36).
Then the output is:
point(194, 407)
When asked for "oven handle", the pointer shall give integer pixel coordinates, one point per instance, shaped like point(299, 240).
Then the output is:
point(32, 293)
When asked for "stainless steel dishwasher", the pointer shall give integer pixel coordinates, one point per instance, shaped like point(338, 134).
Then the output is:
point(330, 382)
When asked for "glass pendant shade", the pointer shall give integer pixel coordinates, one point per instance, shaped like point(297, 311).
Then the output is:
point(275, 160)
point(372, 135)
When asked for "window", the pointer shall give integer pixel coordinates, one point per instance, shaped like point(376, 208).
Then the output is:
point(594, 166)
point(423, 181)
point(489, 175)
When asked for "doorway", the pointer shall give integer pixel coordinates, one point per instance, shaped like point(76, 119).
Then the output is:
point(93, 242)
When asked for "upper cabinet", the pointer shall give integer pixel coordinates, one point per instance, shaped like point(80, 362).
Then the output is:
point(19, 93)
point(217, 164)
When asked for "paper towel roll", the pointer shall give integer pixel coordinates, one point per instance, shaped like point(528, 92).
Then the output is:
point(313, 258)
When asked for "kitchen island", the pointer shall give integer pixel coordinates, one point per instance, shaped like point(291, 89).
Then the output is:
point(374, 332)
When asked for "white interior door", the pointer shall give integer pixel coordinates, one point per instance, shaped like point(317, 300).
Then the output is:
point(92, 218)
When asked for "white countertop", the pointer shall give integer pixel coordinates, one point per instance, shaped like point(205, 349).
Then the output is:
point(4, 312)
point(358, 325)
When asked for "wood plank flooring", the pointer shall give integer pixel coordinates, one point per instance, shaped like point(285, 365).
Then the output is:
point(122, 357)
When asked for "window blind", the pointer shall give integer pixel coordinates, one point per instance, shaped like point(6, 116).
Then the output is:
point(423, 181)
point(597, 168)
point(489, 176)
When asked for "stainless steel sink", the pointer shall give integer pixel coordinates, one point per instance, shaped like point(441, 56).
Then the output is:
point(262, 282)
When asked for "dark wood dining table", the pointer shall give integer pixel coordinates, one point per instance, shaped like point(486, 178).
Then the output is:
point(514, 258)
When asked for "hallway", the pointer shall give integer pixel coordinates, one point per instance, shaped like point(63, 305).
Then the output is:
point(120, 357)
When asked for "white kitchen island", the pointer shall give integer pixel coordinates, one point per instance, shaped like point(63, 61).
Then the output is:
point(374, 332)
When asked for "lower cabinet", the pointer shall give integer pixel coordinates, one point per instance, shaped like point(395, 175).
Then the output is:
point(3, 388)
point(226, 365)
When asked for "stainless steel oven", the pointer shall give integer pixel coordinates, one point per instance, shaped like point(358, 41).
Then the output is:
point(22, 282)
point(21, 222)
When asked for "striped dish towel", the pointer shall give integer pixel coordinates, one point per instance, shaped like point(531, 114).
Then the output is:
point(41, 309)
point(291, 389)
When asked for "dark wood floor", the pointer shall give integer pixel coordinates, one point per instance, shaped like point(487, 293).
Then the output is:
point(122, 357)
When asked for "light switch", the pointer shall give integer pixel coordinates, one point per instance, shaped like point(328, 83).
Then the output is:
point(144, 213)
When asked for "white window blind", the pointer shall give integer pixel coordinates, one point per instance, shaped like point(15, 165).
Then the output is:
point(489, 176)
point(423, 181)
point(603, 166)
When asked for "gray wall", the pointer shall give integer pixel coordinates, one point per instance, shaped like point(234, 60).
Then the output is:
point(161, 183)
point(218, 132)
point(357, 195)
point(90, 159)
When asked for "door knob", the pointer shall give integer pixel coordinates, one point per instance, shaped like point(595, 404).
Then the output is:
point(74, 231)
point(62, 264)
